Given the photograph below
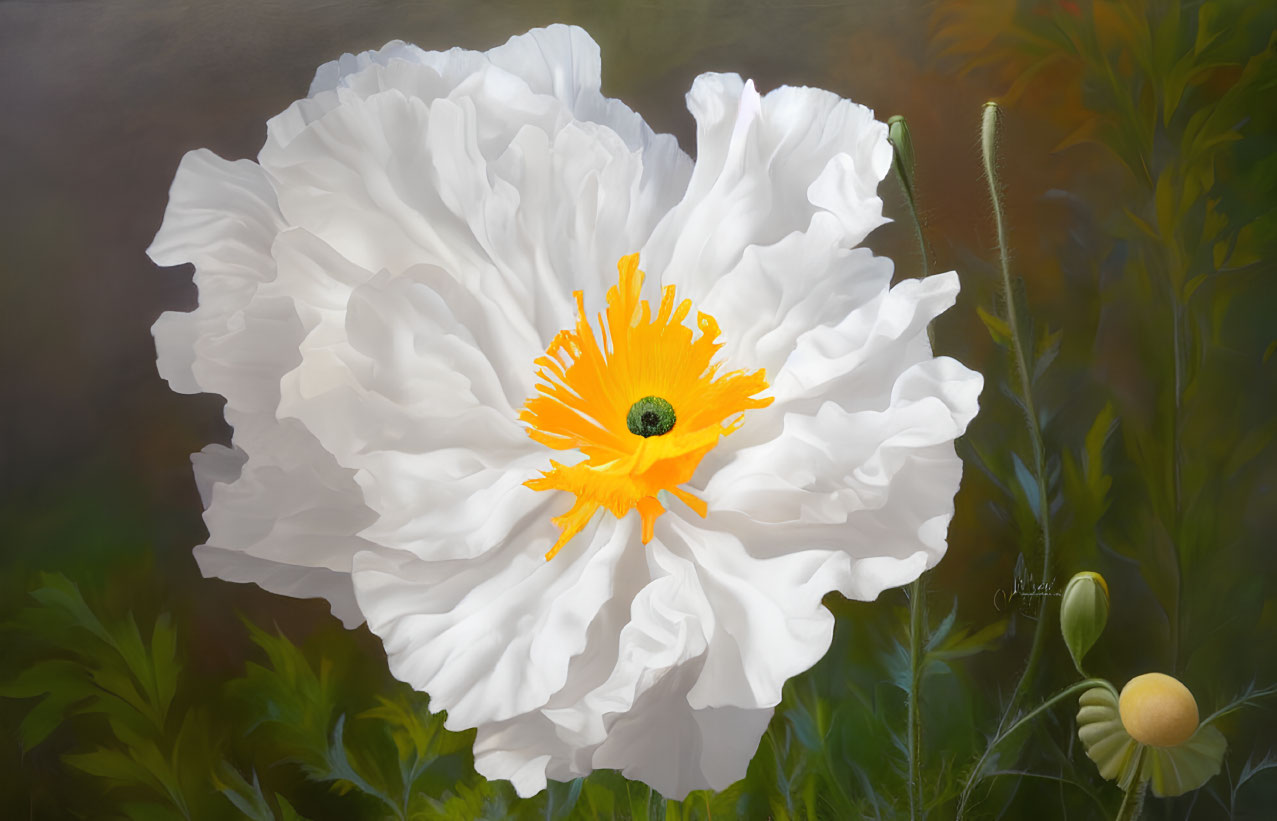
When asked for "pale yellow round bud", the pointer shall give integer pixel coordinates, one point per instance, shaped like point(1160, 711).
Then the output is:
point(1158, 710)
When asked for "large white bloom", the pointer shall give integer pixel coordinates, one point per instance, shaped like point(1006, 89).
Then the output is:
point(388, 304)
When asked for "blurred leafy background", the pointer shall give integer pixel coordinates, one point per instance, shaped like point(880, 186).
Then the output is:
point(1138, 165)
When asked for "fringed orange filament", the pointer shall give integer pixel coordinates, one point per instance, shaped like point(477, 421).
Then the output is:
point(589, 388)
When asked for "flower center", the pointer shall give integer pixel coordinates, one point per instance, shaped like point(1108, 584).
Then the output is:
point(650, 416)
point(614, 399)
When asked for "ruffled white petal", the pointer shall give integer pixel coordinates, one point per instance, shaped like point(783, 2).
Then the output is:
point(283, 579)
point(415, 389)
point(558, 61)
point(662, 742)
point(625, 701)
point(778, 292)
point(676, 749)
point(825, 465)
point(856, 361)
point(784, 186)
point(280, 511)
point(852, 360)
point(491, 639)
point(288, 510)
point(768, 623)
point(222, 216)
point(532, 185)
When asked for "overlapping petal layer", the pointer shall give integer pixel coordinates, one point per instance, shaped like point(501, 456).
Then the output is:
point(279, 509)
point(374, 294)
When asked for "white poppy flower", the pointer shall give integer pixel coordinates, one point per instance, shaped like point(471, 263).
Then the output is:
point(410, 304)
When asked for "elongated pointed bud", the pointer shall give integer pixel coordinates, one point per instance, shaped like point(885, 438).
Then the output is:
point(1084, 611)
point(903, 161)
point(989, 140)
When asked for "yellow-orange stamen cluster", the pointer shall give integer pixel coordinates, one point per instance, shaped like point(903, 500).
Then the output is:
point(587, 387)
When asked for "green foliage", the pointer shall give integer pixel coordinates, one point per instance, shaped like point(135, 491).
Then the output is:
point(296, 738)
point(153, 757)
point(1156, 415)
point(397, 754)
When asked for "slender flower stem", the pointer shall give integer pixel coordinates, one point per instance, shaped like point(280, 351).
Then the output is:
point(1133, 799)
point(924, 266)
point(1002, 735)
point(988, 140)
point(903, 162)
point(916, 622)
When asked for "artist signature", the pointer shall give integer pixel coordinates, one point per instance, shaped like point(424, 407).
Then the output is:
point(1023, 590)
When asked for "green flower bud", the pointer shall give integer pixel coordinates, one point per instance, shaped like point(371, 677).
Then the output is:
point(903, 160)
point(1084, 611)
point(989, 140)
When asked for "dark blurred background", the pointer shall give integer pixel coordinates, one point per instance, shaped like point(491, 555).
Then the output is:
point(1137, 146)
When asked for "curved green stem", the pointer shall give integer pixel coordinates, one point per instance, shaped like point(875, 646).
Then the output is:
point(988, 139)
point(977, 772)
point(1133, 799)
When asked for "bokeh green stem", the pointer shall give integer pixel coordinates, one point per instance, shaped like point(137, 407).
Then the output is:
point(917, 619)
point(989, 145)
